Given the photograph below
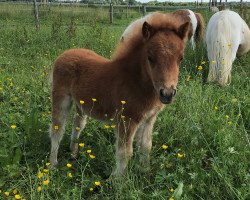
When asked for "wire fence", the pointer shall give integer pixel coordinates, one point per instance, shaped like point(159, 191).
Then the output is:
point(104, 12)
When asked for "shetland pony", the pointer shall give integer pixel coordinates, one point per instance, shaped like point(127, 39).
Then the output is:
point(196, 33)
point(227, 36)
point(128, 91)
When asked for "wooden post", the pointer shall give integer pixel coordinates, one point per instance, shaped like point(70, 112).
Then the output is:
point(241, 8)
point(144, 10)
point(127, 12)
point(37, 22)
point(209, 6)
point(111, 13)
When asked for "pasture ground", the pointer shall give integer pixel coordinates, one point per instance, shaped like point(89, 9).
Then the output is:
point(206, 130)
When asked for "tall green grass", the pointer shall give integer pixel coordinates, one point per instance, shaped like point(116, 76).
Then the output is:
point(206, 129)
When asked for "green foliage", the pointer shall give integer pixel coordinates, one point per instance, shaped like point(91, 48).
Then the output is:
point(205, 130)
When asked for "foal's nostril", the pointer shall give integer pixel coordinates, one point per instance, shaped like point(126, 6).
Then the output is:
point(174, 92)
point(162, 93)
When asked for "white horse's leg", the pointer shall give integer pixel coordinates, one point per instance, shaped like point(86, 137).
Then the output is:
point(60, 108)
point(144, 140)
point(124, 146)
point(79, 123)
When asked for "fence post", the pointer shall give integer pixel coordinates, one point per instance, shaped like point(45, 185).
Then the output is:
point(144, 10)
point(127, 12)
point(37, 23)
point(111, 13)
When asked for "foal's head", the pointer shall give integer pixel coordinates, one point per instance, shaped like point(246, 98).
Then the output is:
point(164, 50)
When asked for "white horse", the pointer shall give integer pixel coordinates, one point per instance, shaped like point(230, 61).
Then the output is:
point(227, 36)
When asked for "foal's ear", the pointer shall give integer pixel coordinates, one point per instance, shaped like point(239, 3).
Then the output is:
point(183, 30)
point(147, 30)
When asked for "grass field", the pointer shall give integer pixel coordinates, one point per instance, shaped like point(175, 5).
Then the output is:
point(206, 129)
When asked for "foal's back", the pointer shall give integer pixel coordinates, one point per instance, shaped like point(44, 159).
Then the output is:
point(75, 63)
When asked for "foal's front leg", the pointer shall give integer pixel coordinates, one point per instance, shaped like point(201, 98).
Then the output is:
point(124, 145)
point(144, 140)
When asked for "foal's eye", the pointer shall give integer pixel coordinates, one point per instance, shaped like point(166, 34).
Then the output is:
point(150, 60)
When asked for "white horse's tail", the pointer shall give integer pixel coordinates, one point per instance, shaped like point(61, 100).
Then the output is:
point(219, 49)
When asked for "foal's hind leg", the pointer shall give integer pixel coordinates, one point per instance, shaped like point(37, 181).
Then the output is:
point(144, 140)
point(79, 123)
point(60, 108)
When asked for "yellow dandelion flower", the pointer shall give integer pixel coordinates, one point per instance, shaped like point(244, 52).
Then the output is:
point(171, 189)
point(91, 189)
point(39, 189)
point(113, 126)
point(69, 175)
point(56, 127)
point(7, 194)
point(234, 100)
point(180, 155)
point(200, 68)
point(40, 174)
point(97, 183)
point(91, 156)
point(69, 165)
point(171, 198)
point(188, 77)
point(78, 129)
point(14, 191)
point(46, 182)
point(229, 123)
point(82, 102)
point(164, 146)
point(213, 61)
point(123, 102)
point(215, 107)
point(94, 99)
point(227, 117)
point(89, 151)
point(47, 164)
point(106, 126)
point(17, 196)
point(203, 62)
point(13, 126)
point(81, 144)
point(45, 170)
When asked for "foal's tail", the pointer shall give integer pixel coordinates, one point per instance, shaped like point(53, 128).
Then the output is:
point(200, 29)
point(219, 50)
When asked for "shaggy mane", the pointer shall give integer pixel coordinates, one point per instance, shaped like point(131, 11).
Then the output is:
point(132, 36)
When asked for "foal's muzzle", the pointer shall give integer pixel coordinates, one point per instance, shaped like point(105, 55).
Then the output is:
point(166, 96)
